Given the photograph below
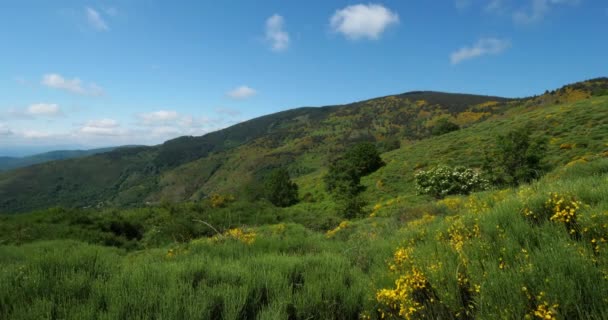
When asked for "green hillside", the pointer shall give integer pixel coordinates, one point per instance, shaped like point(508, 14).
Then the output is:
point(207, 245)
point(135, 176)
point(235, 159)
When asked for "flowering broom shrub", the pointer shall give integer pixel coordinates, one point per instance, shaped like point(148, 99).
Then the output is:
point(443, 180)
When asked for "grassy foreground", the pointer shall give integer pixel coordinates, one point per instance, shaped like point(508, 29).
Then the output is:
point(538, 251)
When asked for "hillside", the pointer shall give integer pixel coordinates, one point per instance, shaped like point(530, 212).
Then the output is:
point(233, 160)
point(10, 163)
point(533, 251)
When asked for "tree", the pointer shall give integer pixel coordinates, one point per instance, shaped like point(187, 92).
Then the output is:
point(364, 157)
point(343, 180)
point(518, 158)
point(280, 190)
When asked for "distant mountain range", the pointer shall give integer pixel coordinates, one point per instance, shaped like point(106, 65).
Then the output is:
point(9, 163)
point(303, 140)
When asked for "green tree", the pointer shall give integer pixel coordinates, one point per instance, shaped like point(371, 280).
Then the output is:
point(364, 157)
point(343, 179)
point(280, 190)
point(518, 158)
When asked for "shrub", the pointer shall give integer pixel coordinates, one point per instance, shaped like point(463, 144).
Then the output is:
point(443, 180)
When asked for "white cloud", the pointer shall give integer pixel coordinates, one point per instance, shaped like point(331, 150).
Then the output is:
point(157, 117)
point(103, 127)
point(56, 81)
point(242, 92)
point(43, 109)
point(538, 9)
point(363, 21)
point(485, 46)
point(33, 134)
point(95, 20)
point(276, 34)
point(103, 123)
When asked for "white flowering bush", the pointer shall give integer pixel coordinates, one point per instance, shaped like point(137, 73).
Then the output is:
point(443, 180)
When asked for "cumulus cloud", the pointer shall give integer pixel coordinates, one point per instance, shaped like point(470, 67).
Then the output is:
point(242, 92)
point(168, 124)
point(95, 20)
point(362, 21)
point(485, 46)
point(43, 109)
point(103, 127)
point(57, 81)
point(276, 34)
point(157, 117)
point(34, 134)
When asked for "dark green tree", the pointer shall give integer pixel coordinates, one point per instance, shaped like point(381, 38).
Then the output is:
point(517, 159)
point(364, 157)
point(279, 189)
point(343, 179)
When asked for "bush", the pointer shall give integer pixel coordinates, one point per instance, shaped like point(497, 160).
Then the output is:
point(443, 180)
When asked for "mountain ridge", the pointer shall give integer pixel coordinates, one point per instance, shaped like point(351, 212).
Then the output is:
point(9, 163)
point(236, 158)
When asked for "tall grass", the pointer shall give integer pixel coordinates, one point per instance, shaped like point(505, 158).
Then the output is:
point(481, 256)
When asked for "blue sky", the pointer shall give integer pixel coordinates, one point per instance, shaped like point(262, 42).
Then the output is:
point(100, 73)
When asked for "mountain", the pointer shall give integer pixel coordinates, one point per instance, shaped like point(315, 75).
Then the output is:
point(9, 163)
point(235, 159)
point(533, 250)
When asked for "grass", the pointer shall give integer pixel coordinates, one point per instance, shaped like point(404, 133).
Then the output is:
point(509, 266)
